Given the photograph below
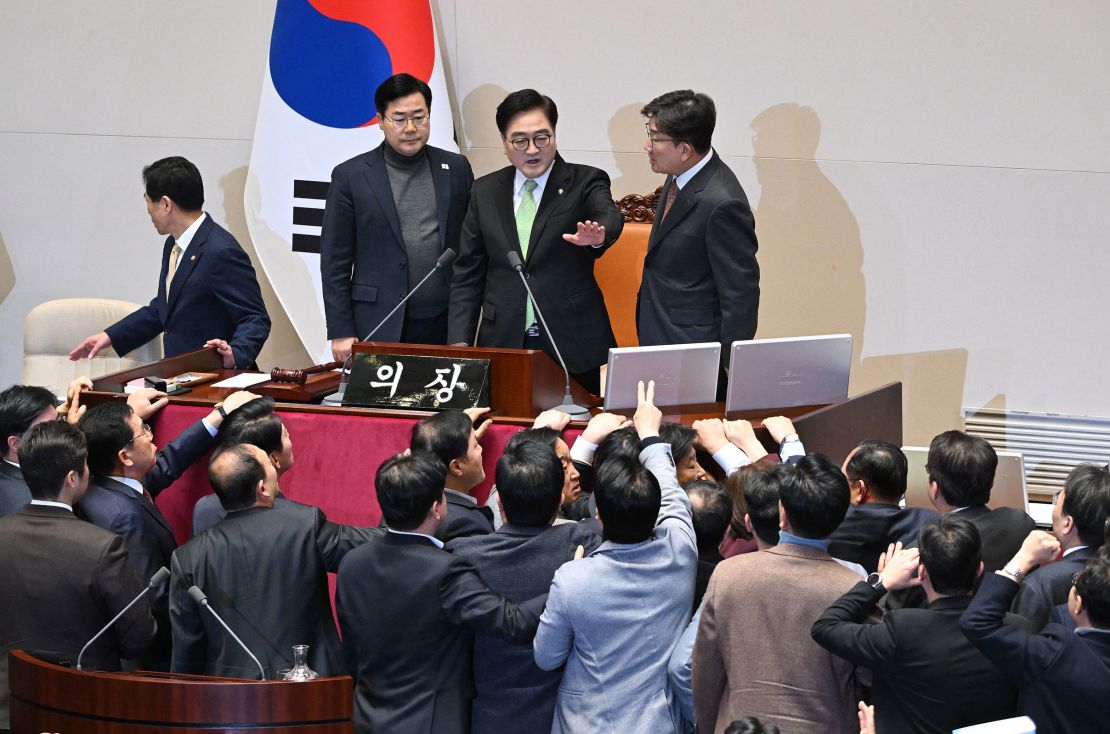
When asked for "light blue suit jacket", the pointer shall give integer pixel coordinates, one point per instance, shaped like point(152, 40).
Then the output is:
point(614, 617)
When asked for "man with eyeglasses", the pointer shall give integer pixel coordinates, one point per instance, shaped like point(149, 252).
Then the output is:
point(127, 472)
point(559, 218)
point(390, 214)
point(701, 278)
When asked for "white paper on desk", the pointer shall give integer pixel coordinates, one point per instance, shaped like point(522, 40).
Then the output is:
point(242, 381)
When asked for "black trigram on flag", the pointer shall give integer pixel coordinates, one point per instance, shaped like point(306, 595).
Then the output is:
point(308, 214)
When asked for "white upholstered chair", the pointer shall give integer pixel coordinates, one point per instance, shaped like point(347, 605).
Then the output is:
point(54, 328)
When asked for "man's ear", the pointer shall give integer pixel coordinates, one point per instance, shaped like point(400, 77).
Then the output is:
point(864, 492)
point(455, 468)
point(977, 573)
point(748, 524)
point(13, 445)
point(784, 521)
point(260, 492)
point(123, 456)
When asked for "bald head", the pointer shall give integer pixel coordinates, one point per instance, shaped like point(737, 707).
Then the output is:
point(242, 476)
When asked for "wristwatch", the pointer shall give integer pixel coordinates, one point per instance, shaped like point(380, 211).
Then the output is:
point(876, 582)
point(1014, 572)
point(220, 409)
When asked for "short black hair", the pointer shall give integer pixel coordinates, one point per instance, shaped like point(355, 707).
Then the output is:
point(408, 486)
point(680, 437)
point(686, 116)
point(48, 452)
point(400, 85)
point(1087, 500)
point(815, 495)
point(545, 435)
point(628, 499)
point(529, 482)
point(106, 430)
point(761, 494)
point(1093, 585)
point(711, 508)
point(735, 484)
point(253, 422)
point(445, 434)
point(20, 405)
point(951, 549)
point(751, 725)
point(963, 468)
point(235, 480)
point(176, 178)
point(623, 443)
point(882, 466)
point(525, 100)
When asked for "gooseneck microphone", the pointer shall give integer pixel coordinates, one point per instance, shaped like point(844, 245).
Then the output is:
point(202, 600)
point(155, 581)
point(443, 261)
point(569, 406)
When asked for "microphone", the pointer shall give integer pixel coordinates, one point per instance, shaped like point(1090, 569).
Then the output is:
point(568, 406)
point(155, 581)
point(199, 597)
point(443, 261)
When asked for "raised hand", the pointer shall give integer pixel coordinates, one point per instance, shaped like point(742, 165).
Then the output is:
point(474, 414)
point(224, 350)
point(146, 402)
point(90, 346)
point(588, 234)
point(71, 410)
point(648, 418)
point(601, 425)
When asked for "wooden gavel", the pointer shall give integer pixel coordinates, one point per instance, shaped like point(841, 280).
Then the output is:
point(299, 377)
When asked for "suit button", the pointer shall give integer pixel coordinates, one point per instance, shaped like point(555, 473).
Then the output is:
point(402, 297)
point(402, 266)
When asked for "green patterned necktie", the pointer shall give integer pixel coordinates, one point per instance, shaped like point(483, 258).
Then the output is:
point(525, 216)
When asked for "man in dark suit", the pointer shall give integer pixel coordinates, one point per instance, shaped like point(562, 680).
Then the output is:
point(519, 560)
point(408, 611)
point(390, 214)
point(927, 677)
point(1079, 514)
point(559, 218)
point(62, 580)
point(451, 437)
point(701, 278)
point(208, 294)
point(21, 408)
point(129, 472)
point(1064, 672)
point(711, 510)
point(265, 572)
point(876, 472)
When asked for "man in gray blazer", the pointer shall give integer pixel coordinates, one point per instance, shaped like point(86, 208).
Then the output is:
point(701, 278)
point(518, 561)
point(614, 616)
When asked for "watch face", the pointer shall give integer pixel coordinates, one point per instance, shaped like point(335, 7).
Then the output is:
point(873, 578)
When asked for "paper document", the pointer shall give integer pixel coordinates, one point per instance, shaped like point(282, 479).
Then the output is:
point(243, 381)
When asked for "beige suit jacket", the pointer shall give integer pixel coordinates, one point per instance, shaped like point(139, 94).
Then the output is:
point(754, 655)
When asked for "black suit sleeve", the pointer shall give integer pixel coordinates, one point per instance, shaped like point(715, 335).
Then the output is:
point(334, 540)
point(178, 455)
point(843, 631)
point(190, 643)
point(468, 281)
point(598, 206)
point(731, 245)
point(117, 585)
point(337, 256)
point(467, 600)
point(236, 289)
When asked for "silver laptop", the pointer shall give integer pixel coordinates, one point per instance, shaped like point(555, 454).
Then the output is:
point(783, 373)
point(684, 374)
point(1009, 489)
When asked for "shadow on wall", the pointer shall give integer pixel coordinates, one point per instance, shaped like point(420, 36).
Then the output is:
point(932, 389)
point(478, 123)
point(283, 348)
point(7, 272)
point(626, 140)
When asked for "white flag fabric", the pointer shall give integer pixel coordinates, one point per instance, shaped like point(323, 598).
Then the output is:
point(326, 58)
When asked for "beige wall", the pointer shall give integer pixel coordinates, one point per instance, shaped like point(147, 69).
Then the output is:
point(931, 178)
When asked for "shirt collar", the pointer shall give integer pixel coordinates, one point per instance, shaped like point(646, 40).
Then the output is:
point(1085, 631)
point(1069, 551)
point(437, 541)
point(684, 178)
point(48, 503)
point(818, 543)
point(464, 497)
point(187, 236)
point(541, 184)
point(134, 484)
point(12, 463)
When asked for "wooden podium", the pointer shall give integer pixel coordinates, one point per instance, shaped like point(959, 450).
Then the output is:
point(51, 698)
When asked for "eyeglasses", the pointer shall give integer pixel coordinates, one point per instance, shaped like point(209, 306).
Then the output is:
point(541, 141)
point(401, 123)
point(147, 431)
point(653, 138)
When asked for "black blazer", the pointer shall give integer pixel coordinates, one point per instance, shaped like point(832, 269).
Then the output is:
point(13, 490)
point(1047, 587)
point(868, 529)
point(265, 571)
point(214, 295)
point(1062, 673)
point(513, 693)
point(363, 259)
point(561, 275)
point(701, 278)
point(61, 580)
point(463, 519)
point(927, 676)
point(208, 511)
point(407, 611)
point(1002, 531)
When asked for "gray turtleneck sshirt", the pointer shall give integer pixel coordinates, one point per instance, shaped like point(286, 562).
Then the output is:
point(414, 194)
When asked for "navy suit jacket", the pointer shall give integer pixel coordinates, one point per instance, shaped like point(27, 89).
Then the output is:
point(514, 694)
point(701, 278)
point(1002, 530)
point(1047, 587)
point(869, 528)
point(561, 275)
point(214, 295)
point(464, 519)
point(1062, 672)
point(14, 493)
point(363, 259)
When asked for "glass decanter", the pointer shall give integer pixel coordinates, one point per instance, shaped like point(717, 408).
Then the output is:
point(300, 669)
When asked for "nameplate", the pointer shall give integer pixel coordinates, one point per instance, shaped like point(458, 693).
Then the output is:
point(416, 382)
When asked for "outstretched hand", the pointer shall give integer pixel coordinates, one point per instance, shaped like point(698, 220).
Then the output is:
point(589, 234)
point(601, 425)
point(474, 414)
point(72, 410)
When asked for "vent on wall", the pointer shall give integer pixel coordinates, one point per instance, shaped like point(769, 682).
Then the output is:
point(1051, 444)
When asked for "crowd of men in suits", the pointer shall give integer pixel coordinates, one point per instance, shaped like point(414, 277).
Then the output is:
point(650, 577)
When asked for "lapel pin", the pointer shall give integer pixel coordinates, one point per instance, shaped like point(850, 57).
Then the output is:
point(194, 257)
point(560, 192)
point(445, 166)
